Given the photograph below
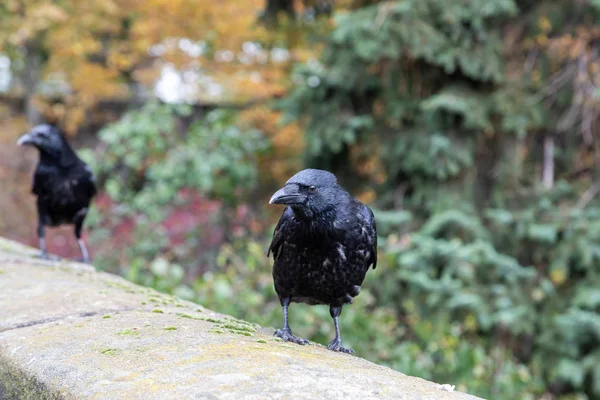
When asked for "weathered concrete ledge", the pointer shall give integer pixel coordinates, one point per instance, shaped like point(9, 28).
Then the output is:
point(67, 331)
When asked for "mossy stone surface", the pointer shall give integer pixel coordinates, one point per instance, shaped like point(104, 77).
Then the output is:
point(56, 342)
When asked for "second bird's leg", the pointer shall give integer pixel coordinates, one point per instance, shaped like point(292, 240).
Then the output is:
point(336, 343)
point(41, 231)
point(286, 332)
point(84, 252)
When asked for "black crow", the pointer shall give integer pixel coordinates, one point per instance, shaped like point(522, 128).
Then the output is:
point(323, 245)
point(63, 183)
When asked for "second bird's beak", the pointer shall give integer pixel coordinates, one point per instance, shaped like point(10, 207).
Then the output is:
point(26, 139)
point(287, 195)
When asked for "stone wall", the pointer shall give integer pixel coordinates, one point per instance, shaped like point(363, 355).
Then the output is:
point(67, 331)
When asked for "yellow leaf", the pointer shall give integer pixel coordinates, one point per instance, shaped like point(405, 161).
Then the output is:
point(558, 276)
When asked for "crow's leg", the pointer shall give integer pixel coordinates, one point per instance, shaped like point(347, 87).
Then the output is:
point(336, 343)
point(42, 239)
point(43, 219)
point(41, 231)
point(286, 332)
point(78, 226)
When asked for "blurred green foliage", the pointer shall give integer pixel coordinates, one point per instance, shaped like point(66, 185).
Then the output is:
point(213, 156)
point(145, 162)
point(488, 277)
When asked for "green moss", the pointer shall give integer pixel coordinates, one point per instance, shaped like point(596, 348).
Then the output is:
point(1, 271)
point(170, 328)
point(236, 326)
point(243, 333)
point(120, 285)
point(107, 316)
point(179, 305)
point(129, 332)
point(153, 300)
point(261, 341)
point(182, 315)
point(144, 303)
point(157, 310)
point(110, 352)
point(209, 319)
point(231, 325)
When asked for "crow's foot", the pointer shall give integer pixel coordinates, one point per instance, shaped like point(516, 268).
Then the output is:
point(336, 345)
point(286, 335)
point(49, 257)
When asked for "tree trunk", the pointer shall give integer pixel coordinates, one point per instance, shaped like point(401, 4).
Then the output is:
point(548, 169)
point(30, 78)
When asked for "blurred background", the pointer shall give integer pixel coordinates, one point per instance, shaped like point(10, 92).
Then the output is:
point(470, 127)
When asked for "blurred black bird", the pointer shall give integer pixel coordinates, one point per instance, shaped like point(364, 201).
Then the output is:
point(63, 183)
point(323, 246)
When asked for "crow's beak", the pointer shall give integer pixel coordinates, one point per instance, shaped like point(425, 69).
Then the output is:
point(287, 195)
point(26, 139)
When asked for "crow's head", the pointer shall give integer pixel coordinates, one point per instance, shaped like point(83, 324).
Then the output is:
point(49, 141)
point(310, 192)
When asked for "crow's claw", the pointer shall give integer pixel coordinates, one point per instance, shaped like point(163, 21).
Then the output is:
point(336, 345)
point(286, 335)
point(49, 257)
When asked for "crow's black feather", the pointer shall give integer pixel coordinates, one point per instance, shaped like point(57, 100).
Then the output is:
point(63, 183)
point(323, 246)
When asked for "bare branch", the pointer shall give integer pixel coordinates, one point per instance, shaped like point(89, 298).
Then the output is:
point(586, 125)
point(556, 83)
point(530, 61)
point(589, 195)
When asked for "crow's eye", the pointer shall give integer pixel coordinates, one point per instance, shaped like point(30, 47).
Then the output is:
point(312, 188)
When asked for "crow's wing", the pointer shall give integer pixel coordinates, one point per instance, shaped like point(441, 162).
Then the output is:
point(280, 232)
point(371, 233)
point(81, 185)
point(75, 184)
point(43, 177)
point(88, 181)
